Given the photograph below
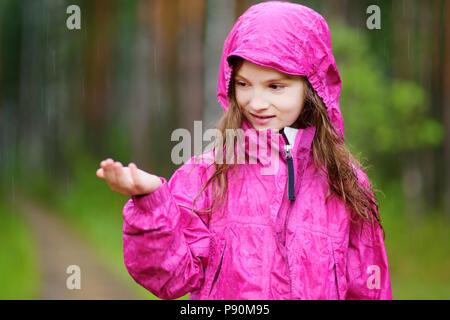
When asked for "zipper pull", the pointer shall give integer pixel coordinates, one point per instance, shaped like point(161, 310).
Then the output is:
point(290, 163)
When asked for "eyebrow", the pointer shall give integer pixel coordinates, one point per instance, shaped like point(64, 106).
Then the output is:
point(283, 77)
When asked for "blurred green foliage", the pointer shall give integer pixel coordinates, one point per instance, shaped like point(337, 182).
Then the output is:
point(383, 117)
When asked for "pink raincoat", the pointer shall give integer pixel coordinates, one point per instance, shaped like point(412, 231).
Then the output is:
point(261, 244)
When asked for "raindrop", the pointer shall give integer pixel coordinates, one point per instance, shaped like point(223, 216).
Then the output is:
point(409, 47)
point(83, 87)
point(54, 61)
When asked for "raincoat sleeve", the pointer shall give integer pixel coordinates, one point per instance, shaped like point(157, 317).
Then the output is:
point(367, 264)
point(165, 242)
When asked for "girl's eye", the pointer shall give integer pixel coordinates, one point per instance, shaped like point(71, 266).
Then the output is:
point(240, 83)
point(276, 86)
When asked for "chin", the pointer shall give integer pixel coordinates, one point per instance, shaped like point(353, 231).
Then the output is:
point(268, 127)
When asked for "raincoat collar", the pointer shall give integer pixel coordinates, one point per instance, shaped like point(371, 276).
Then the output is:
point(302, 143)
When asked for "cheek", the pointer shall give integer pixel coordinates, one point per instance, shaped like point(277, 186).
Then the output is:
point(239, 97)
point(291, 105)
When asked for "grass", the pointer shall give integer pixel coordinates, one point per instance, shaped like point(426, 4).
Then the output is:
point(418, 251)
point(19, 276)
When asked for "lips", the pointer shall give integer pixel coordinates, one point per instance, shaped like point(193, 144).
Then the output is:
point(261, 120)
point(262, 117)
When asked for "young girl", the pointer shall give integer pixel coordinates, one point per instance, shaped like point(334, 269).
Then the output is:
point(310, 230)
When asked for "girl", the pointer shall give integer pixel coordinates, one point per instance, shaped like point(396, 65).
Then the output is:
point(309, 230)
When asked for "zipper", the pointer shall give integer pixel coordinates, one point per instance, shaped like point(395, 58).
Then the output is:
point(291, 196)
point(290, 164)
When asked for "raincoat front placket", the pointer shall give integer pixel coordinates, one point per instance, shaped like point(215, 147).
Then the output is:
point(281, 211)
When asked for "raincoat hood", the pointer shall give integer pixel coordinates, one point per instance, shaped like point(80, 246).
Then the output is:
point(290, 38)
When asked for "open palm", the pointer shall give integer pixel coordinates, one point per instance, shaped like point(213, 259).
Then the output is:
point(129, 180)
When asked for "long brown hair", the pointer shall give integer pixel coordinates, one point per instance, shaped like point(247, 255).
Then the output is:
point(329, 152)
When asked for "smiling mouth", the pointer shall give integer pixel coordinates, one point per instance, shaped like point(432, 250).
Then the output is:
point(262, 117)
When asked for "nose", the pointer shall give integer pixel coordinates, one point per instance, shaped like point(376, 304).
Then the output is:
point(258, 103)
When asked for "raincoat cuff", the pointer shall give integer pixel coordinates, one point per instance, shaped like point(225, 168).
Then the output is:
point(151, 201)
point(147, 212)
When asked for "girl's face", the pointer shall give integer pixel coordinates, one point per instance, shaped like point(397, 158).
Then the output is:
point(268, 98)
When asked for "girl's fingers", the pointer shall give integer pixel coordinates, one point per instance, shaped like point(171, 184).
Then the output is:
point(110, 175)
point(120, 175)
point(134, 174)
point(100, 173)
point(105, 163)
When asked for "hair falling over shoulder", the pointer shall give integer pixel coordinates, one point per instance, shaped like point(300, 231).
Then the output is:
point(329, 152)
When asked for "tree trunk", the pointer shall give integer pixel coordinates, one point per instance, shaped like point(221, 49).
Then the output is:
point(98, 88)
point(165, 35)
point(142, 104)
point(190, 57)
point(220, 18)
point(446, 101)
point(30, 110)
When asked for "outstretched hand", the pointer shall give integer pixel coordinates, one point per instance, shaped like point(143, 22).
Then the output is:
point(129, 180)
